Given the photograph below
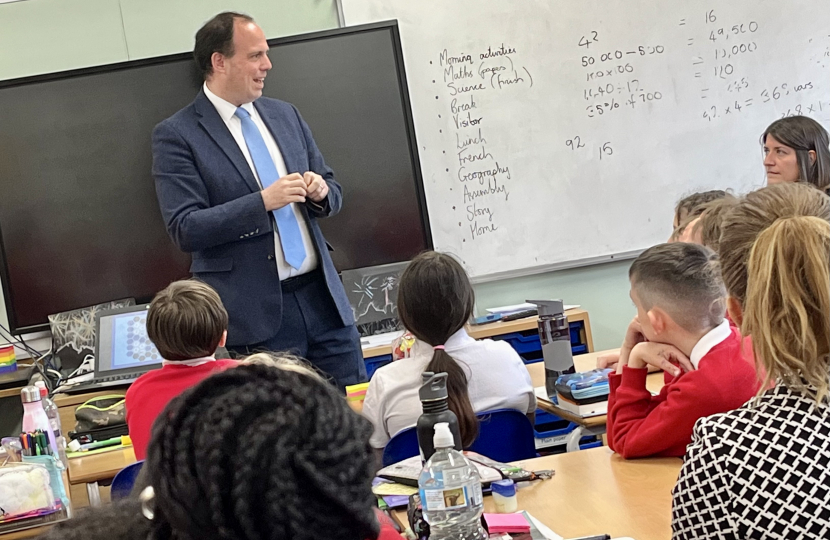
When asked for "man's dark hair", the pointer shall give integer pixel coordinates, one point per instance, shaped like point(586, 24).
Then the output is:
point(216, 36)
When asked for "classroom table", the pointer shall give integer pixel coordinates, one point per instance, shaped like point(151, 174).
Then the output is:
point(594, 425)
point(25, 533)
point(95, 468)
point(596, 492)
point(500, 328)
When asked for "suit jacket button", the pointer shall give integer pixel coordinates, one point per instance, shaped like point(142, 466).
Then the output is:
point(270, 257)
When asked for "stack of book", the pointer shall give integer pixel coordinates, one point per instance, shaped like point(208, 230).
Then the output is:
point(584, 394)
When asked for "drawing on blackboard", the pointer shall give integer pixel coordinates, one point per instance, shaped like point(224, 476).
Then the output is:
point(373, 292)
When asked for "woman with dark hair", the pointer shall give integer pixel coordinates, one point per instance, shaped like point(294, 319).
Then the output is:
point(267, 450)
point(435, 301)
point(797, 149)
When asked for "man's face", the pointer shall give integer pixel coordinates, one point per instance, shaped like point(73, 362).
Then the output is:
point(245, 71)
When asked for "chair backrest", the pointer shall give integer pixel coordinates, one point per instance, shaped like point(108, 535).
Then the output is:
point(504, 435)
point(124, 481)
point(402, 445)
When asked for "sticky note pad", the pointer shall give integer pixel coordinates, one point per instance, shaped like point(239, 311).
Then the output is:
point(506, 523)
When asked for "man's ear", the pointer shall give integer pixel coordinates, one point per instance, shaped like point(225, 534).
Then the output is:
point(223, 340)
point(658, 319)
point(735, 310)
point(217, 60)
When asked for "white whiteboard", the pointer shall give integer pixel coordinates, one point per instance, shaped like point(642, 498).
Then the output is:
point(538, 151)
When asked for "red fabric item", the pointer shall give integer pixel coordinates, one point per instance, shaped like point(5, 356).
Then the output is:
point(641, 425)
point(387, 532)
point(387, 529)
point(151, 392)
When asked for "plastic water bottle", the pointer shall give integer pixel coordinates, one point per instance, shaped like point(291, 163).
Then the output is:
point(50, 408)
point(54, 417)
point(450, 491)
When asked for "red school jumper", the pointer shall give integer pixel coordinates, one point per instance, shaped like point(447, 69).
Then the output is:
point(641, 425)
point(151, 393)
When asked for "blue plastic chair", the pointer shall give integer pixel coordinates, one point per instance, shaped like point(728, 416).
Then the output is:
point(401, 446)
point(504, 435)
point(124, 481)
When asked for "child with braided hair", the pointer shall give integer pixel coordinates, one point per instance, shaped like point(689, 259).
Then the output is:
point(267, 450)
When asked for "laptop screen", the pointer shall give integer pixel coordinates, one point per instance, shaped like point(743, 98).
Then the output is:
point(123, 345)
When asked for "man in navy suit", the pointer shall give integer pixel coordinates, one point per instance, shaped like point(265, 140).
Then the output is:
point(241, 185)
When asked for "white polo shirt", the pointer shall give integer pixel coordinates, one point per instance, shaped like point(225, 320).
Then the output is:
point(497, 379)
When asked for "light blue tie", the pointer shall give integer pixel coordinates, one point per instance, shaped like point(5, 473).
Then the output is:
point(289, 230)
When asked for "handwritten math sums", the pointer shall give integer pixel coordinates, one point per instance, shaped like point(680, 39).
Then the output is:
point(770, 95)
point(602, 151)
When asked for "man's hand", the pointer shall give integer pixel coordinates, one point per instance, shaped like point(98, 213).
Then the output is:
point(289, 189)
point(666, 357)
point(316, 187)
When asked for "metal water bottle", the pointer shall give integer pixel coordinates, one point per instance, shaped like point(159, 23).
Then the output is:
point(435, 404)
point(556, 342)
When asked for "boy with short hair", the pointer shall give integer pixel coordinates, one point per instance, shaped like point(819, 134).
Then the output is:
point(187, 323)
point(680, 327)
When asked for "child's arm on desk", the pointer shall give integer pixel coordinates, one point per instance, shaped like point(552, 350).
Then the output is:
point(611, 360)
point(640, 424)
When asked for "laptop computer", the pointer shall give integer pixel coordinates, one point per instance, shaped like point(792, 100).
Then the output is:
point(123, 352)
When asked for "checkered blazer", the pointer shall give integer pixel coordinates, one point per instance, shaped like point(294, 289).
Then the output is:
point(758, 472)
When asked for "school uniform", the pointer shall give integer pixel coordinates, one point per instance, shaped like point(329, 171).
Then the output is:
point(758, 472)
point(496, 379)
point(641, 425)
point(151, 393)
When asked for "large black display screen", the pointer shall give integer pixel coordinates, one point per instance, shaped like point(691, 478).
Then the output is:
point(79, 218)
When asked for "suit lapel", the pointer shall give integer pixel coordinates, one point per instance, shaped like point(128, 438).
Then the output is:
point(218, 131)
point(282, 136)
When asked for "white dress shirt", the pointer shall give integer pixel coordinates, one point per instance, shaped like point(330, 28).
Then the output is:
point(227, 111)
point(496, 379)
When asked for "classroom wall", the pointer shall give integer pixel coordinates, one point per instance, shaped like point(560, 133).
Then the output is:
point(601, 289)
point(42, 36)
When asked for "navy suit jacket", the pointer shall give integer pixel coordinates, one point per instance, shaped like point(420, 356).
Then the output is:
point(212, 207)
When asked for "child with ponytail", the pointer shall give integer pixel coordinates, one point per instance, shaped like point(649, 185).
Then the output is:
point(760, 472)
point(435, 301)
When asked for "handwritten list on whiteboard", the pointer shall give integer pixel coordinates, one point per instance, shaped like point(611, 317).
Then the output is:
point(554, 132)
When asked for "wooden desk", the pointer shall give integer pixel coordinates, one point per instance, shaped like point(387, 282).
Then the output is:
point(594, 425)
point(92, 469)
point(25, 533)
point(597, 492)
point(501, 328)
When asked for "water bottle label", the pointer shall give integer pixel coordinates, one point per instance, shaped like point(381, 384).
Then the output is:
point(445, 499)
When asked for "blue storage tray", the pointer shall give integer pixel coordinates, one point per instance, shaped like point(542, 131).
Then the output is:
point(375, 362)
point(550, 431)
